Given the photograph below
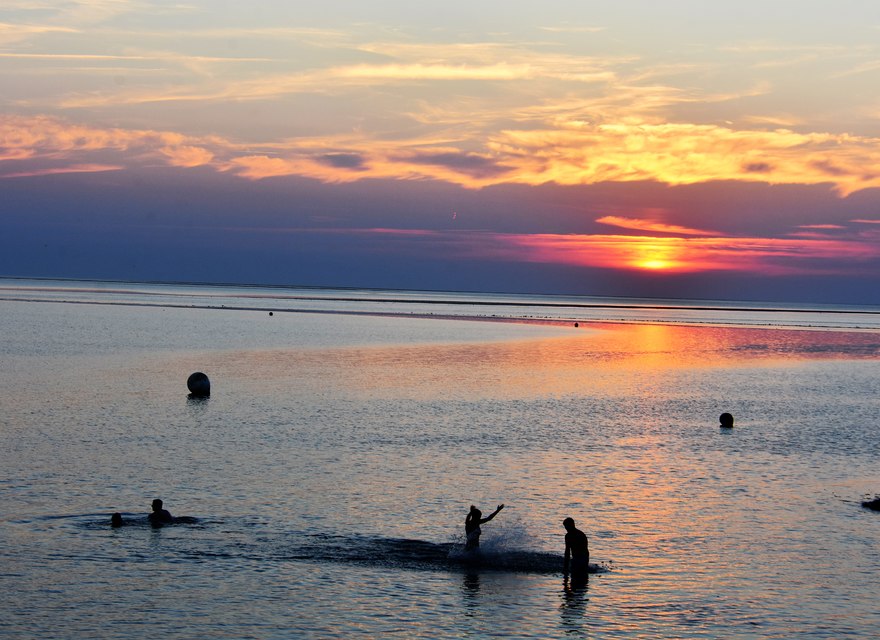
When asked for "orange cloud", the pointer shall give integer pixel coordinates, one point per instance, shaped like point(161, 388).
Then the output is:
point(577, 154)
point(572, 153)
point(687, 154)
point(85, 148)
point(187, 155)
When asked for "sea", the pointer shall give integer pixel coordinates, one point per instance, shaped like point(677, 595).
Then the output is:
point(320, 491)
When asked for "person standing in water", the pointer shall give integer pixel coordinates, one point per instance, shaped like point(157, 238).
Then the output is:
point(577, 552)
point(472, 526)
point(159, 516)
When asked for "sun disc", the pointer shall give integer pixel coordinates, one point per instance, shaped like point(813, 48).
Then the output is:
point(655, 265)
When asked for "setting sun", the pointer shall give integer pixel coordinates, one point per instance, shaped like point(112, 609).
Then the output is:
point(656, 254)
point(654, 265)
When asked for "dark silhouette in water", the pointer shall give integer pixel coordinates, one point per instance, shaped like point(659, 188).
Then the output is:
point(159, 516)
point(874, 504)
point(726, 420)
point(472, 526)
point(199, 385)
point(577, 553)
point(116, 520)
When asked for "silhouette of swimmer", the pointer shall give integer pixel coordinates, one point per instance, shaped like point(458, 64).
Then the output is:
point(116, 520)
point(726, 420)
point(577, 552)
point(472, 526)
point(159, 516)
point(874, 504)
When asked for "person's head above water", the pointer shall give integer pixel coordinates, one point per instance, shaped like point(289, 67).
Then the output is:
point(116, 520)
point(726, 420)
point(157, 505)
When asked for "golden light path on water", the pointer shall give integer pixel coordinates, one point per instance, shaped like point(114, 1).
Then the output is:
point(676, 505)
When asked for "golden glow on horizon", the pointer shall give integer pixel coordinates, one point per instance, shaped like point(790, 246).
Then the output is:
point(656, 256)
point(654, 264)
point(765, 256)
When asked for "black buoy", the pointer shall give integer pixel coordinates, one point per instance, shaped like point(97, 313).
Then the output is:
point(270, 313)
point(199, 385)
point(726, 420)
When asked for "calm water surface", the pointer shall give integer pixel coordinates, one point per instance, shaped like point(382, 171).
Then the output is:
point(330, 472)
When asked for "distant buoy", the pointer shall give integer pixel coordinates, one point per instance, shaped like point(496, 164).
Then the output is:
point(576, 325)
point(270, 313)
point(198, 384)
point(726, 420)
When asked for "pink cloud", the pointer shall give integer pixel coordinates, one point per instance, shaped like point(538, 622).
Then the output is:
point(75, 168)
point(766, 256)
point(649, 225)
point(187, 155)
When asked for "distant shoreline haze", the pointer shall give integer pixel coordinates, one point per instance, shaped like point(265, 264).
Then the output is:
point(447, 304)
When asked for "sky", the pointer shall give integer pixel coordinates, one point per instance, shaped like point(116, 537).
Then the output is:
point(685, 148)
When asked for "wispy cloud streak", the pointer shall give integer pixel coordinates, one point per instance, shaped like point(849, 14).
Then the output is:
point(648, 225)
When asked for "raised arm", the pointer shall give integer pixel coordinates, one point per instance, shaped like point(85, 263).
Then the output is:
point(493, 514)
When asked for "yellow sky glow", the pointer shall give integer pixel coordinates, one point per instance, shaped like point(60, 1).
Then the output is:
point(670, 154)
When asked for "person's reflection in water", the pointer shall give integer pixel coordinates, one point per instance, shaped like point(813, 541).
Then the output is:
point(574, 605)
point(470, 587)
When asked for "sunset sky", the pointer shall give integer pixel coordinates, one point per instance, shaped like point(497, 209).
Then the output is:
point(683, 148)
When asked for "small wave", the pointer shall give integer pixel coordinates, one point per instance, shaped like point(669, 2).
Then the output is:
point(404, 553)
point(371, 551)
point(102, 521)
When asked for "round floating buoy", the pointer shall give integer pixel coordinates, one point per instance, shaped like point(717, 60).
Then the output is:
point(270, 313)
point(726, 420)
point(198, 384)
